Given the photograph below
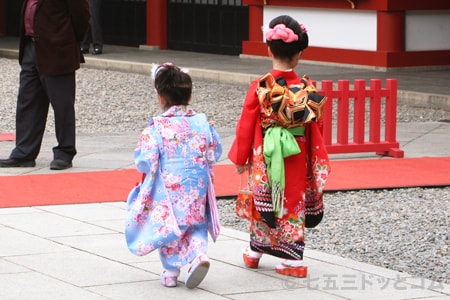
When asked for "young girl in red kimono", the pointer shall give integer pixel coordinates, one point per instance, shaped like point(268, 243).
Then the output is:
point(279, 142)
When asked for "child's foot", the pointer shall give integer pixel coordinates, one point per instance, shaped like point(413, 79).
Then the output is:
point(294, 268)
point(169, 278)
point(197, 271)
point(251, 258)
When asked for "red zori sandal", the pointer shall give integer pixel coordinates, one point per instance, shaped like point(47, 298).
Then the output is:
point(296, 271)
point(251, 258)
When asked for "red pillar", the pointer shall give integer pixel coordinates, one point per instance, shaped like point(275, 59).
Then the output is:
point(390, 31)
point(2, 17)
point(255, 19)
point(255, 44)
point(157, 23)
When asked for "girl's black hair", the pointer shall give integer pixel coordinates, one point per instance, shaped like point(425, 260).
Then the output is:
point(174, 85)
point(284, 50)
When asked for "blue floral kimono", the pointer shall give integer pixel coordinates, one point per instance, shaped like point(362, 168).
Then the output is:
point(169, 210)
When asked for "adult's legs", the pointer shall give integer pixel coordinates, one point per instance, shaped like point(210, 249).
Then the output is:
point(32, 109)
point(96, 26)
point(86, 44)
point(61, 93)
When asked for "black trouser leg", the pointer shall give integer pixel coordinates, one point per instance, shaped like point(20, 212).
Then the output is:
point(61, 93)
point(32, 109)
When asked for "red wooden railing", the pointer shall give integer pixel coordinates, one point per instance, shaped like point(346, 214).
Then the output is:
point(339, 102)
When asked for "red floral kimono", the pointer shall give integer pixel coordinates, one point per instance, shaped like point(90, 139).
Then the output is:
point(305, 176)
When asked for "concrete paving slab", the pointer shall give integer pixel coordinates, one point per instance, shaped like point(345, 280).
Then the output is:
point(87, 212)
point(317, 256)
point(426, 139)
point(110, 246)
point(7, 267)
point(47, 225)
point(114, 225)
point(346, 282)
point(152, 289)
point(150, 263)
point(81, 269)
point(286, 294)
point(17, 210)
point(16, 243)
point(422, 283)
point(98, 264)
point(34, 285)
point(242, 280)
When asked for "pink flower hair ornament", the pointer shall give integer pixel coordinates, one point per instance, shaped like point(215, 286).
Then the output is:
point(281, 32)
point(303, 28)
point(156, 68)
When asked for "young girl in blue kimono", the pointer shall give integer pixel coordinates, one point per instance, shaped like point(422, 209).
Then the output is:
point(173, 208)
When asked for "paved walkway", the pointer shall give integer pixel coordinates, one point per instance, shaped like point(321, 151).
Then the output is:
point(79, 252)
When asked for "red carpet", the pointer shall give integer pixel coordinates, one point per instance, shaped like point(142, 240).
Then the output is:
point(389, 173)
point(66, 188)
point(88, 187)
point(7, 137)
point(364, 174)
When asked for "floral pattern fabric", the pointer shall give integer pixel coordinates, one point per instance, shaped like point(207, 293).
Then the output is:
point(305, 174)
point(167, 210)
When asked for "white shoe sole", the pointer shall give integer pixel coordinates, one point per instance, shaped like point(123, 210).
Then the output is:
point(197, 274)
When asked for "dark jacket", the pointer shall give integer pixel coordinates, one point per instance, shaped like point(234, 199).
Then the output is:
point(60, 27)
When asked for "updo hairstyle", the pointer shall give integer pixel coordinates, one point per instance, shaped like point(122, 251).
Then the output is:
point(173, 84)
point(284, 50)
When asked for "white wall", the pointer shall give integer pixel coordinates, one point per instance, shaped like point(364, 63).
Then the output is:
point(427, 30)
point(332, 28)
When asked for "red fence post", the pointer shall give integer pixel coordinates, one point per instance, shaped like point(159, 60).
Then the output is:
point(375, 111)
point(327, 90)
point(359, 114)
point(391, 120)
point(342, 112)
point(391, 110)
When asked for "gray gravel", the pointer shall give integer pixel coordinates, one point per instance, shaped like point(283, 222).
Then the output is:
point(112, 101)
point(401, 229)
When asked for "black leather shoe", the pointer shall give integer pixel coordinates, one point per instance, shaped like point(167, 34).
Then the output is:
point(84, 50)
point(97, 51)
point(17, 163)
point(59, 164)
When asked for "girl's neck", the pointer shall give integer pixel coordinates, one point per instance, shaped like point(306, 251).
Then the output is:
point(283, 70)
point(283, 65)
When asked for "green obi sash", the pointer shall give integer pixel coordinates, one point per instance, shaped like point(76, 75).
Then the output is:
point(279, 143)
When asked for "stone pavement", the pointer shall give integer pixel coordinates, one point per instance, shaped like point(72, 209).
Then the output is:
point(79, 251)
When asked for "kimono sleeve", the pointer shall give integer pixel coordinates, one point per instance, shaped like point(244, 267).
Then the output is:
point(214, 147)
point(146, 154)
point(241, 149)
point(146, 158)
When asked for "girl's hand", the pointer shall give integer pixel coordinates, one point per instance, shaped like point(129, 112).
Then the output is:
point(241, 168)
